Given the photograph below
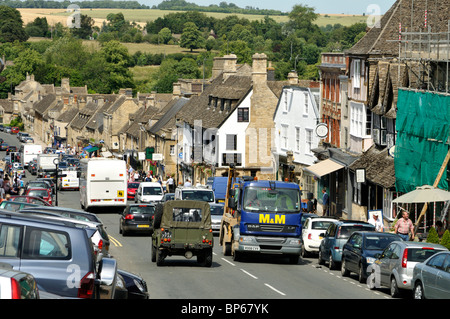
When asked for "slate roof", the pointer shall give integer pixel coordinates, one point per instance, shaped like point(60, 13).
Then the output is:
point(166, 118)
point(8, 105)
point(379, 166)
point(41, 106)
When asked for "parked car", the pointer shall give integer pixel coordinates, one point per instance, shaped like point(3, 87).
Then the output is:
point(313, 227)
point(135, 285)
point(14, 130)
point(29, 199)
point(306, 215)
point(431, 279)
point(4, 146)
point(137, 218)
point(77, 215)
point(28, 140)
point(44, 193)
point(58, 254)
point(216, 216)
point(16, 284)
point(396, 263)
point(360, 250)
point(334, 239)
point(131, 189)
point(15, 206)
point(7, 129)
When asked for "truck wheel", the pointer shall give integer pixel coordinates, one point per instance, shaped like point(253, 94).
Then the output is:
point(159, 209)
point(206, 258)
point(293, 259)
point(159, 257)
point(153, 253)
point(226, 248)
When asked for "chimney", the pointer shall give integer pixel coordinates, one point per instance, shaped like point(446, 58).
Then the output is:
point(229, 66)
point(293, 78)
point(259, 69)
point(217, 68)
point(176, 89)
point(65, 85)
point(270, 72)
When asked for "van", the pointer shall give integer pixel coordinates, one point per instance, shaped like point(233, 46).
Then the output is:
point(219, 187)
point(149, 192)
point(195, 193)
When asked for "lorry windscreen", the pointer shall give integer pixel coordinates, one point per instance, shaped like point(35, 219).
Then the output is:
point(286, 200)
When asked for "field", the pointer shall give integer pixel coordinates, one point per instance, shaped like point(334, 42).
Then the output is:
point(142, 16)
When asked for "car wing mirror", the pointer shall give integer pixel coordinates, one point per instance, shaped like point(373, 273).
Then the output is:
point(107, 278)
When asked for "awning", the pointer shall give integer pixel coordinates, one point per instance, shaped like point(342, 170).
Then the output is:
point(324, 168)
point(92, 149)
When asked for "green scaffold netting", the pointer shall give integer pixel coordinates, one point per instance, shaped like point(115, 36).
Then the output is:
point(423, 126)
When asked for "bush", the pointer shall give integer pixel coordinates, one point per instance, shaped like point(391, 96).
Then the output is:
point(433, 237)
point(445, 240)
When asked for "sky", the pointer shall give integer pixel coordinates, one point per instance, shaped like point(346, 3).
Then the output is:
point(321, 6)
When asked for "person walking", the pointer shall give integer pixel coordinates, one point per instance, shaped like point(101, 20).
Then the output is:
point(325, 202)
point(376, 221)
point(404, 226)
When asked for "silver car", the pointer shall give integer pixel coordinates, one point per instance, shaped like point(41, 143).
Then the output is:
point(394, 267)
point(216, 217)
point(431, 279)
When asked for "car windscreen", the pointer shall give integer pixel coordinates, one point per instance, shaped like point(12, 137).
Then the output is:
point(345, 231)
point(151, 191)
point(133, 185)
point(320, 225)
point(217, 210)
point(38, 193)
point(378, 242)
point(202, 195)
point(142, 209)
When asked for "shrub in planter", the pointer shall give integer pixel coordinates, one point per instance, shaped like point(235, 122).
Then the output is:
point(433, 237)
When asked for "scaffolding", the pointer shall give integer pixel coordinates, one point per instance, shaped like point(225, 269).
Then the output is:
point(427, 55)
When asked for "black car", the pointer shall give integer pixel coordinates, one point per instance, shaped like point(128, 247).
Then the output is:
point(360, 250)
point(137, 218)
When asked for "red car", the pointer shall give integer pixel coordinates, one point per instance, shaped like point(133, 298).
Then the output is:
point(30, 199)
point(14, 130)
point(44, 193)
point(131, 190)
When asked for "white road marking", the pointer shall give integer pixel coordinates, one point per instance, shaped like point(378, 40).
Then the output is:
point(276, 290)
point(228, 262)
point(254, 277)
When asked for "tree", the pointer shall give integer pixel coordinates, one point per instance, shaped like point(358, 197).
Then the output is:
point(433, 237)
point(191, 38)
point(11, 25)
point(445, 240)
point(85, 29)
point(164, 36)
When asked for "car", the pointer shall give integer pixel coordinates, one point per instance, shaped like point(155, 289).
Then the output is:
point(59, 255)
point(194, 193)
point(14, 130)
point(19, 170)
point(135, 285)
point(131, 189)
point(431, 278)
point(77, 215)
point(216, 216)
point(311, 230)
point(7, 129)
point(137, 218)
point(182, 228)
point(50, 181)
point(96, 236)
point(4, 146)
point(359, 251)
point(335, 237)
point(16, 284)
point(44, 193)
point(29, 199)
point(39, 184)
point(28, 140)
point(395, 265)
point(305, 216)
point(15, 206)
point(168, 196)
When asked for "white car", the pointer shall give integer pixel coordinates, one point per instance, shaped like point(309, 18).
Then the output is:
point(313, 227)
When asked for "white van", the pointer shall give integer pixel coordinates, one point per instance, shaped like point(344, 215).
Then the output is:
point(149, 192)
point(195, 193)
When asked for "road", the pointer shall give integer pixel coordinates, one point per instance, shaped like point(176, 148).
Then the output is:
point(260, 277)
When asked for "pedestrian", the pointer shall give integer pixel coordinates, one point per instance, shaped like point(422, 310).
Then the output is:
point(440, 228)
point(376, 221)
point(325, 202)
point(188, 183)
point(310, 203)
point(404, 226)
point(170, 184)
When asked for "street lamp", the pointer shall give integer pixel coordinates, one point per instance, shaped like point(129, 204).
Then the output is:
point(56, 162)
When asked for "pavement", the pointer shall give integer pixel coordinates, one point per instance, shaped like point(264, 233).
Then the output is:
point(37, 140)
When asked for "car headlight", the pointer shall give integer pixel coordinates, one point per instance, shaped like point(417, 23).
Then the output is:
point(139, 285)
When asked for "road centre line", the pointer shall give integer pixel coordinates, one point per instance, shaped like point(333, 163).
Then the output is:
point(246, 272)
point(276, 290)
point(228, 262)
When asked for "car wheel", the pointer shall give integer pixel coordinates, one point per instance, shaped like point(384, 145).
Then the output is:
point(206, 258)
point(394, 288)
point(418, 291)
point(159, 257)
point(344, 271)
point(361, 275)
point(320, 261)
point(153, 253)
point(304, 252)
point(331, 263)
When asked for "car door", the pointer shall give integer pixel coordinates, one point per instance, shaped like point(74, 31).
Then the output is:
point(10, 236)
point(353, 251)
point(443, 280)
point(327, 241)
point(431, 275)
point(385, 263)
